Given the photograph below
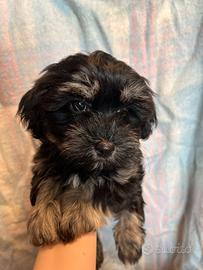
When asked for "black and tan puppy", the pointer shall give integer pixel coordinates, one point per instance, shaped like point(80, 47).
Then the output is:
point(89, 113)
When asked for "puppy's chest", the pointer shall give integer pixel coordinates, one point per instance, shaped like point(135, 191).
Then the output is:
point(103, 193)
point(109, 201)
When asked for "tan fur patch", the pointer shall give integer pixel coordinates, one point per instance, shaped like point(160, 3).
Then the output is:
point(79, 217)
point(135, 90)
point(43, 223)
point(82, 86)
point(63, 218)
point(44, 219)
point(130, 225)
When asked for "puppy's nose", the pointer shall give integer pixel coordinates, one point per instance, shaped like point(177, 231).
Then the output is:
point(104, 148)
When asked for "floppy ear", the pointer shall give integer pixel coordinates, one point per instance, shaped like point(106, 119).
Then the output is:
point(139, 94)
point(147, 113)
point(147, 125)
point(30, 112)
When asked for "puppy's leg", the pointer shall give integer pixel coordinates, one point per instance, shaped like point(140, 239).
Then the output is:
point(44, 218)
point(129, 237)
point(100, 256)
point(78, 216)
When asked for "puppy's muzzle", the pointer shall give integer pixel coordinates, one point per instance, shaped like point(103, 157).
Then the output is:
point(104, 148)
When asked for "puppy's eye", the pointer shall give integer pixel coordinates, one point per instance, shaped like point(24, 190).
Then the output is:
point(79, 106)
point(121, 110)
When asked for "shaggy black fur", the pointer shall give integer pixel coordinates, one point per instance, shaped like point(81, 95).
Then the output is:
point(89, 112)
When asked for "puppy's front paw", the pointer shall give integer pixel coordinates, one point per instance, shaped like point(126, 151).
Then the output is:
point(78, 218)
point(43, 224)
point(129, 238)
point(129, 251)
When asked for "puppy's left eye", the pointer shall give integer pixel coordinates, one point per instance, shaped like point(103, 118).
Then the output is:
point(121, 110)
point(79, 106)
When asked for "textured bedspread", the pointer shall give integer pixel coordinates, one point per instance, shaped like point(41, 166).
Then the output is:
point(162, 40)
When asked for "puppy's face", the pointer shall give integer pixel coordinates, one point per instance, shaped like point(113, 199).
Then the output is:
point(94, 108)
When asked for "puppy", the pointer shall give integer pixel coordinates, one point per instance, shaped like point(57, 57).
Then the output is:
point(89, 113)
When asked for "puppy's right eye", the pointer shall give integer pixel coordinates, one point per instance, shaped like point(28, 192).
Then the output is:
point(79, 106)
